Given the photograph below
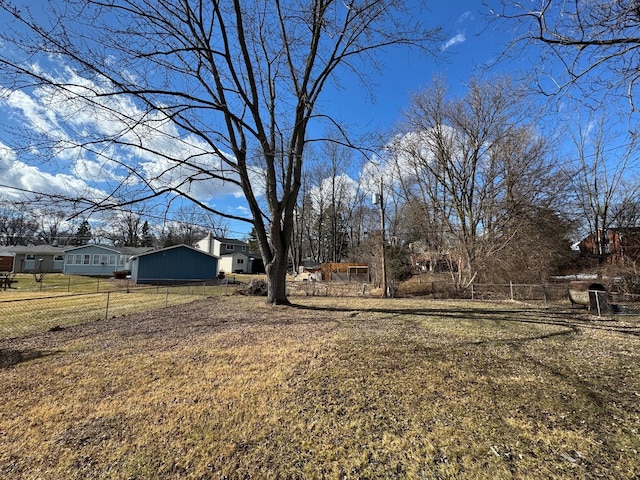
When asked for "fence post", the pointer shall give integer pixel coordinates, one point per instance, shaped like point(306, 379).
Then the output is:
point(204, 290)
point(472, 292)
point(544, 294)
point(166, 297)
point(511, 289)
point(68, 284)
point(598, 301)
point(106, 310)
point(98, 286)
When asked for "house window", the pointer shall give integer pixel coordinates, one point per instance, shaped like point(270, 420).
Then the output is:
point(104, 258)
point(121, 261)
point(69, 259)
point(87, 259)
point(228, 247)
point(244, 248)
point(96, 259)
point(112, 259)
point(240, 261)
point(78, 259)
point(30, 257)
point(58, 258)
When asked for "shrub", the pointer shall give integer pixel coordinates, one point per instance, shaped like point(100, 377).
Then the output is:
point(256, 288)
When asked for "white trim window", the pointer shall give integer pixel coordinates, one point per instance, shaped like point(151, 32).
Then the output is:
point(96, 259)
point(112, 259)
point(228, 246)
point(87, 259)
point(78, 259)
point(70, 259)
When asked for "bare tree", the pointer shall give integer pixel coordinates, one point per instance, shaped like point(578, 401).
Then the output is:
point(123, 228)
point(17, 227)
point(477, 171)
point(598, 181)
point(53, 229)
point(324, 208)
point(592, 46)
point(191, 223)
point(238, 83)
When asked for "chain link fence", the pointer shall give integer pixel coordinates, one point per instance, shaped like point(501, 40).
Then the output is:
point(46, 309)
point(64, 302)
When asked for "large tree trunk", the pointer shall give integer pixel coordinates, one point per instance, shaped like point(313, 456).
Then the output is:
point(278, 264)
point(277, 280)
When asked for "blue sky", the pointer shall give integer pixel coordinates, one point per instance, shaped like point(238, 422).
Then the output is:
point(469, 47)
point(470, 44)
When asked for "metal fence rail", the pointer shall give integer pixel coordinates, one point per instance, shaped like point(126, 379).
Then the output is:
point(52, 307)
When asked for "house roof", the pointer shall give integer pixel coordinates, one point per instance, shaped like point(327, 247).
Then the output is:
point(230, 241)
point(33, 249)
point(234, 254)
point(120, 250)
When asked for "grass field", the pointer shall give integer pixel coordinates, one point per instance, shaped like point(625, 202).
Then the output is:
point(331, 388)
point(64, 301)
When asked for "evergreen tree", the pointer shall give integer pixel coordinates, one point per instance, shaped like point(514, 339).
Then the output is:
point(83, 234)
point(147, 236)
point(252, 240)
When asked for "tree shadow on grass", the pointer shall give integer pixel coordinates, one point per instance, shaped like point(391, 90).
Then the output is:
point(572, 320)
point(10, 357)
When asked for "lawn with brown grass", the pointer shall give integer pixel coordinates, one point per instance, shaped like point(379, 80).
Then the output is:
point(330, 388)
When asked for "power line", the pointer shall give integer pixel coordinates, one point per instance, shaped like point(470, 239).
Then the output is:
point(152, 216)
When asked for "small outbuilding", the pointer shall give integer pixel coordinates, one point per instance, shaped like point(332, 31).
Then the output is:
point(591, 294)
point(176, 264)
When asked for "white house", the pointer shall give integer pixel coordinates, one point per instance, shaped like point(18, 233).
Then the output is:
point(233, 254)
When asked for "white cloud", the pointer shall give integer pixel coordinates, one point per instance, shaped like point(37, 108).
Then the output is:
point(459, 38)
point(345, 191)
point(465, 16)
point(78, 120)
point(26, 178)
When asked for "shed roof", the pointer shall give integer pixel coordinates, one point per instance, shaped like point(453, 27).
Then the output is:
point(202, 252)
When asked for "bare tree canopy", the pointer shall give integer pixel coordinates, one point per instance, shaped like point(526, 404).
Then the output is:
point(592, 46)
point(196, 93)
point(478, 174)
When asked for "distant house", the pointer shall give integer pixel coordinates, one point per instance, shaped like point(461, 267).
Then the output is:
point(33, 258)
point(98, 260)
point(219, 246)
point(621, 246)
point(234, 263)
point(234, 254)
point(6, 262)
point(179, 263)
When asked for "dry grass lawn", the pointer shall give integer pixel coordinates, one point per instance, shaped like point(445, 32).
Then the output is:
point(331, 388)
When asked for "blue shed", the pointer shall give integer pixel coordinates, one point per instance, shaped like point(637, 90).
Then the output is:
point(180, 263)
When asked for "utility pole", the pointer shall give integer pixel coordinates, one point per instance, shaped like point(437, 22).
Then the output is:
point(379, 199)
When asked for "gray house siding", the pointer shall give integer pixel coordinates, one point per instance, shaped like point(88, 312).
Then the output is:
point(94, 260)
point(42, 258)
point(180, 263)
